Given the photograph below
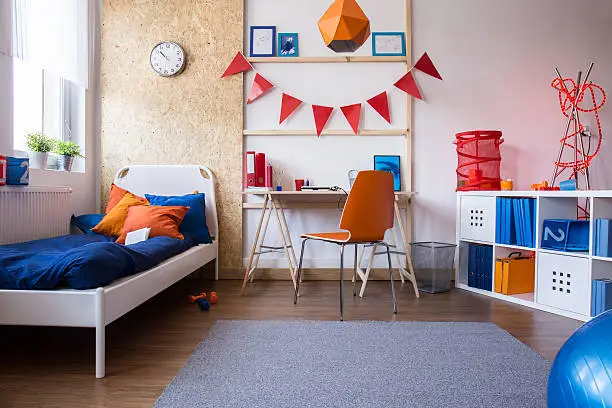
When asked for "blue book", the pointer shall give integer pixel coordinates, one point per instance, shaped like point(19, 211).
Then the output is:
point(527, 226)
point(600, 298)
point(489, 270)
point(472, 265)
point(597, 237)
point(594, 298)
point(606, 289)
point(498, 220)
point(517, 222)
point(604, 237)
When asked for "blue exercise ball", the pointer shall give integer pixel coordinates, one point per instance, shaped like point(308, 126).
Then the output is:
point(581, 375)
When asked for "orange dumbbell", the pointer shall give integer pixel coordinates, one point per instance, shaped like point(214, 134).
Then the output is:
point(213, 298)
point(193, 299)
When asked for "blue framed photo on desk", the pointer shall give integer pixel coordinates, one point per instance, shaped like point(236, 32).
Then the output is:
point(392, 44)
point(392, 165)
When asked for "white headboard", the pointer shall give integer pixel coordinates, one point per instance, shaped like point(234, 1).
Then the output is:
point(172, 180)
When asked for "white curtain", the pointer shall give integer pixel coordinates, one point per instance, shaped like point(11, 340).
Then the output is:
point(5, 27)
point(54, 35)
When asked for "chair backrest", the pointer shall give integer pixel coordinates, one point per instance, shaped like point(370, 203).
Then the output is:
point(368, 212)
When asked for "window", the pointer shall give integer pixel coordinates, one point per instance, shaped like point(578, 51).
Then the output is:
point(44, 102)
point(50, 46)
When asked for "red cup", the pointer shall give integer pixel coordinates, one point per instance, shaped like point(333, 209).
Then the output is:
point(299, 183)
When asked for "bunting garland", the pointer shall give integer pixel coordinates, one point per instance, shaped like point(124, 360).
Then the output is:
point(408, 84)
point(352, 112)
point(260, 86)
point(321, 116)
point(380, 103)
point(288, 105)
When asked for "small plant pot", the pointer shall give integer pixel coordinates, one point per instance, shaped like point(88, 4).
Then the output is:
point(64, 163)
point(38, 160)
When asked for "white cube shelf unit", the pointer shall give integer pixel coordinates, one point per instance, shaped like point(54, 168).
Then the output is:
point(562, 279)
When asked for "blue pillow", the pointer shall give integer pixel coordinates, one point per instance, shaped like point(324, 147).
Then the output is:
point(194, 224)
point(86, 222)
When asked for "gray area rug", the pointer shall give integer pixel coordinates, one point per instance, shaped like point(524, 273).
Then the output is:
point(359, 364)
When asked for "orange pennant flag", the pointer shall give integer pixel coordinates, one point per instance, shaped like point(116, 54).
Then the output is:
point(288, 105)
point(352, 113)
point(408, 84)
point(321, 116)
point(426, 65)
point(260, 86)
point(380, 103)
point(238, 64)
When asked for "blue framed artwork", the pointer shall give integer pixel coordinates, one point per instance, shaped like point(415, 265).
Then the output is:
point(288, 45)
point(392, 165)
point(389, 44)
point(263, 41)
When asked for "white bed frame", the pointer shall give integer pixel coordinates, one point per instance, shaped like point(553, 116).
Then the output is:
point(99, 307)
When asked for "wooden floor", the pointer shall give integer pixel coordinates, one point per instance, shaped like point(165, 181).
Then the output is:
point(54, 367)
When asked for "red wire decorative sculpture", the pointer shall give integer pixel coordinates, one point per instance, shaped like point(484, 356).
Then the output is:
point(576, 98)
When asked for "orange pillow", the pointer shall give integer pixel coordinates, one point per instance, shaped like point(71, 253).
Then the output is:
point(116, 194)
point(112, 223)
point(163, 221)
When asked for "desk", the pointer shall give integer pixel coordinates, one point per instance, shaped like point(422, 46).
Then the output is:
point(275, 202)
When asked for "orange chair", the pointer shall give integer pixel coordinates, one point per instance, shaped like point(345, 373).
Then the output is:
point(367, 215)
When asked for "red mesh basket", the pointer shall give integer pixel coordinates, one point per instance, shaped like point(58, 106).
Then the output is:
point(478, 160)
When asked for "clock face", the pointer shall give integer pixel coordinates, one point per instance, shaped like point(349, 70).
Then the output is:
point(167, 58)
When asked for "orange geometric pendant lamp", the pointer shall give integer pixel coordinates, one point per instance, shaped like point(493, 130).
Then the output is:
point(344, 26)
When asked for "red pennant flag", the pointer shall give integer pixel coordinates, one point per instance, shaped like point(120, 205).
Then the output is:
point(288, 105)
point(427, 66)
point(380, 103)
point(260, 86)
point(238, 64)
point(352, 113)
point(408, 84)
point(321, 116)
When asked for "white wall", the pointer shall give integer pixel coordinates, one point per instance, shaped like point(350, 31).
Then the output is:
point(497, 59)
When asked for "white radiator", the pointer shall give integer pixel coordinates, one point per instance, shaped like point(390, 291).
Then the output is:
point(28, 213)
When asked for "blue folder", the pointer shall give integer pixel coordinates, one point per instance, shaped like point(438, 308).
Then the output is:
point(472, 265)
point(594, 298)
point(498, 220)
point(596, 250)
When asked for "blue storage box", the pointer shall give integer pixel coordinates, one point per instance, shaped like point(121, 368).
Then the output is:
point(565, 235)
point(18, 171)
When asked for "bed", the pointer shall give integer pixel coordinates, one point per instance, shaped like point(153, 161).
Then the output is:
point(96, 308)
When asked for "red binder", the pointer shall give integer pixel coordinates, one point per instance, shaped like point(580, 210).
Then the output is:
point(250, 169)
point(260, 169)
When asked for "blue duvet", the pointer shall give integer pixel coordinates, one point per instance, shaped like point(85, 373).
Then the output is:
point(80, 261)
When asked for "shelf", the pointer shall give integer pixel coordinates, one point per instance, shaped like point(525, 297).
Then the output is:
point(318, 60)
point(574, 254)
point(326, 132)
point(602, 258)
point(527, 297)
point(473, 241)
point(524, 302)
point(521, 248)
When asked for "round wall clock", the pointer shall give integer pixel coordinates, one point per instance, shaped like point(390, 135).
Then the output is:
point(167, 58)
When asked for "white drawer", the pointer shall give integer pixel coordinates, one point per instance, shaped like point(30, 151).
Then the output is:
point(477, 220)
point(563, 282)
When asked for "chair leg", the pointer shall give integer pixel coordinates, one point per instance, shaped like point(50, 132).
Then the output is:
point(355, 273)
point(341, 282)
point(299, 274)
point(391, 277)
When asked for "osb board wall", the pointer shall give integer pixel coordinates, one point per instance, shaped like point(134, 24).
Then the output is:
point(194, 118)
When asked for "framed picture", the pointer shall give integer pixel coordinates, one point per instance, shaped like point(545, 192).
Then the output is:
point(288, 45)
point(263, 41)
point(389, 44)
point(392, 165)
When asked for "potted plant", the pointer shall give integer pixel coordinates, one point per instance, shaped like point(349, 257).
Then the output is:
point(66, 151)
point(39, 147)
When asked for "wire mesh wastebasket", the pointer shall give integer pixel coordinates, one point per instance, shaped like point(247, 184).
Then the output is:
point(433, 265)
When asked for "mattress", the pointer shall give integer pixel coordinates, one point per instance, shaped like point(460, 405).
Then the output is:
point(81, 261)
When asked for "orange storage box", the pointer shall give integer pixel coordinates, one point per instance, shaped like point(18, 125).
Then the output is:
point(514, 275)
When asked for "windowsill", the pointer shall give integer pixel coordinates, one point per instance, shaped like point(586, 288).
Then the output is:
point(35, 189)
